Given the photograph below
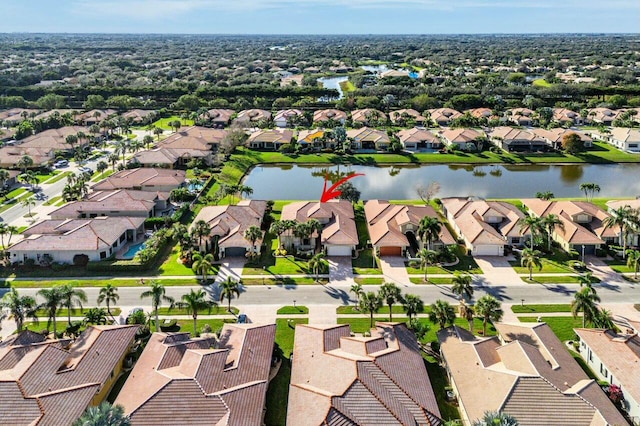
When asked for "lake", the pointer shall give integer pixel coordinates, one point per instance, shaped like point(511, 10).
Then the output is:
point(332, 83)
point(297, 182)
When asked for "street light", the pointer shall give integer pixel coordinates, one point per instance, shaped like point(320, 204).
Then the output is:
point(583, 253)
point(294, 303)
point(522, 302)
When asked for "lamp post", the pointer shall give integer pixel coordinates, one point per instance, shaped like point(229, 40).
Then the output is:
point(264, 270)
point(294, 303)
point(522, 302)
point(583, 253)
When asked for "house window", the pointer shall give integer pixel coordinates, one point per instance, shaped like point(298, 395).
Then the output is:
point(590, 356)
point(306, 242)
point(123, 237)
point(103, 255)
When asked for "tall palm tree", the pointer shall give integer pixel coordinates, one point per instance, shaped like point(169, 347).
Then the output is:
point(4, 176)
point(427, 258)
point(194, 302)
point(442, 313)
point(550, 222)
point(496, 418)
point(468, 313)
point(72, 297)
point(633, 261)
point(390, 294)
point(429, 230)
point(278, 228)
point(589, 189)
point(624, 218)
point(585, 301)
point(586, 280)
point(545, 195)
point(52, 301)
point(461, 285)
point(357, 291)
point(412, 305)
point(104, 414)
point(200, 230)
point(229, 289)
point(252, 234)
point(530, 258)
point(28, 203)
point(370, 303)
point(113, 159)
point(147, 140)
point(202, 265)
point(488, 307)
point(95, 316)
point(318, 264)
point(603, 319)
point(158, 294)
point(534, 224)
point(20, 307)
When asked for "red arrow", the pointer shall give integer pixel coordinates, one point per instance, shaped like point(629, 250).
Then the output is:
point(332, 192)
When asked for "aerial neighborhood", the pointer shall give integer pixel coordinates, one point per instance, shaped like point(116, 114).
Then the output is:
point(421, 233)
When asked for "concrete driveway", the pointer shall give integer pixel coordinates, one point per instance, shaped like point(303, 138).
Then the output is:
point(340, 271)
point(497, 271)
point(394, 271)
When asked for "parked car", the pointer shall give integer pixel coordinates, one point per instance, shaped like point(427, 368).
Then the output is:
point(60, 163)
point(85, 169)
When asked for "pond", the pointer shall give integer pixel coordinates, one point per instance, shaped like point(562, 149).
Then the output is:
point(332, 83)
point(296, 182)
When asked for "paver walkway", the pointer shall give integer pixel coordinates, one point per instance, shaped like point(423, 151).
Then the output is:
point(231, 267)
point(497, 271)
point(340, 271)
point(322, 314)
point(394, 271)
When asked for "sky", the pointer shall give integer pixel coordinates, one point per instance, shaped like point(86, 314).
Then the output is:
point(321, 16)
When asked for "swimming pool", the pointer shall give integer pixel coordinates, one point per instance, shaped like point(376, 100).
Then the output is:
point(195, 186)
point(133, 249)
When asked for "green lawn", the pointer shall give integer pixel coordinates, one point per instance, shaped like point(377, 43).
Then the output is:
point(361, 325)
point(432, 280)
point(369, 280)
point(53, 200)
point(163, 123)
point(215, 310)
point(561, 326)
point(347, 86)
point(62, 312)
point(266, 264)
point(619, 265)
point(293, 310)
point(439, 383)
point(171, 266)
point(555, 279)
point(540, 309)
point(58, 177)
point(283, 281)
point(558, 262)
point(466, 264)
point(102, 175)
point(396, 309)
point(541, 82)
point(94, 283)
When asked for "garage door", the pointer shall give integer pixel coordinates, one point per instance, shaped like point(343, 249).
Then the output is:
point(234, 251)
point(488, 250)
point(390, 251)
point(338, 250)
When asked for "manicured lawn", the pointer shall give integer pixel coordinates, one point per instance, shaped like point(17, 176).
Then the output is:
point(583, 365)
point(369, 280)
point(540, 309)
point(541, 82)
point(361, 325)
point(102, 175)
point(163, 123)
point(432, 280)
point(53, 200)
point(283, 281)
point(186, 325)
point(619, 265)
point(439, 383)
point(347, 86)
point(94, 283)
point(561, 326)
point(555, 279)
point(363, 264)
point(466, 264)
point(171, 266)
point(58, 177)
point(215, 310)
point(559, 261)
point(62, 312)
point(293, 310)
point(396, 309)
point(266, 264)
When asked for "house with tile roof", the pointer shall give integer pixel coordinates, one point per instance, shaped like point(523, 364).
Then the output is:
point(314, 138)
point(228, 224)
point(196, 381)
point(566, 116)
point(393, 228)
point(324, 115)
point(368, 116)
point(368, 138)
point(140, 116)
point(443, 116)
point(248, 117)
point(284, 117)
point(95, 116)
point(520, 116)
point(10, 156)
point(460, 137)
point(340, 379)
point(517, 140)
point(52, 382)
point(583, 227)
point(485, 226)
point(614, 358)
point(554, 137)
point(270, 139)
point(60, 240)
point(604, 116)
point(143, 179)
point(218, 117)
point(119, 202)
point(481, 113)
point(403, 116)
point(338, 237)
point(56, 139)
point(418, 138)
point(179, 148)
point(526, 372)
point(624, 139)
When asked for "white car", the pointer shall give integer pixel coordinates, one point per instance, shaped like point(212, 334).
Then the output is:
point(60, 163)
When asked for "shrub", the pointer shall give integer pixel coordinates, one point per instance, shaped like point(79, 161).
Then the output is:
point(80, 260)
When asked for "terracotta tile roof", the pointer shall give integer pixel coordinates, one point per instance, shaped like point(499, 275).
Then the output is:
point(363, 115)
point(367, 134)
point(411, 113)
point(55, 138)
point(416, 135)
point(507, 134)
point(218, 115)
point(555, 135)
point(625, 135)
point(360, 381)
point(104, 202)
point(480, 112)
point(145, 179)
point(103, 114)
point(327, 114)
point(460, 136)
point(615, 204)
point(194, 137)
point(531, 375)
point(271, 136)
point(574, 232)
point(286, 113)
point(308, 136)
point(602, 115)
point(444, 115)
point(11, 155)
point(563, 114)
point(253, 115)
point(337, 216)
point(139, 115)
point(226, 385)
point(384, 222)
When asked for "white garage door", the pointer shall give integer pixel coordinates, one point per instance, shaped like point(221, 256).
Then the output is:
point(338, 250)
point(488, 250)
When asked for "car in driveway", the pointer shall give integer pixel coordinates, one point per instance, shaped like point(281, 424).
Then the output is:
point(85, 169)
point(60, 163)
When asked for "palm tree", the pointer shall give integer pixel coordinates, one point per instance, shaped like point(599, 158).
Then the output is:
point(495, 418)
point(390, 294)
point(28, 178)
point(71, 297)
point(158, 294)
point(101, 166)
point(357, 291)
point(52, 301)
point(545, 195)
point(200, 230)
point(530, 258)
point(318, 264)
point(442, 313)
point(370, 303)
point(585, 301)
point(412, 305)
point(194, 302)
point(625, 218)
point(113, 159)
point(461, 285)
point(252, 234)
point(468, 312)
point(109, 295)
point(147, 140)
point(586, 280)
point(158, 131)
point(589, 189)
point(20, 307)
point(28, 203)
point(278, 228)
point(603, 319)
point(534, 224)
point(4, 177)
point(427, 258)
point(633, 261)
point(104, 414)
point(95, 316)
point(429, 230)
point(202, 265)
point(24, 163)
point(229, 289)
point(550, 222)
point(489, 309)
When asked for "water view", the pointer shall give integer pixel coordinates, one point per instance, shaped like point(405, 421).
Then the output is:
point(333, 83)
point(295, 182)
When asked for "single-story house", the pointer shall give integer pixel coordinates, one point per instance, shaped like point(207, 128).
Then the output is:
point(95, 116)
point(251, 116)
point(314, 138)
point(201, 381)
point(481, 113)
point(368, 116)
point(143, 179)
point(56, 139)
point(283, 117)
point(564, 115)
point(271, 139)
point(485, 226)
point(10, 156)
point(393, 228)
point(325, 115)
point(525, 371)
point(197, 137)
point(443, 116)
point(368, 138)
point(403, 116)
point(460, 137)
point(14, 116)
point(554, 137)
point(517, 140)
point(584, 229)
point(418, 138)
point(604, 116)
point(62, 239)
point(56, 112)
point(614, 358)
point(218, 117)
point(338, 237)
point(520, 116)
point(120, 202)
point(228, 224)
point(341, 379)
point(624, 139)
point(52, 381)
point(140, 116)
